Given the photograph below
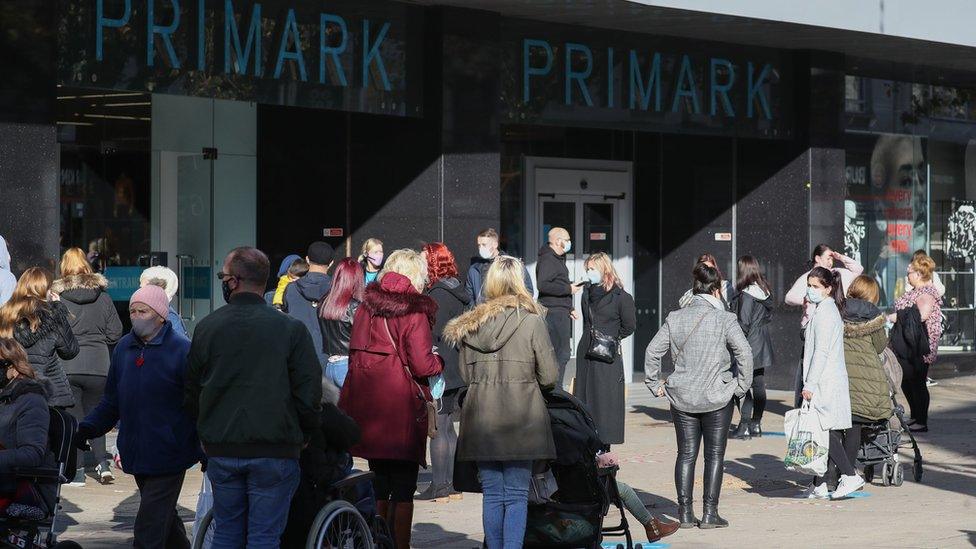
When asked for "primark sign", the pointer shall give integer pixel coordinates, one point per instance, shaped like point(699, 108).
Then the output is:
point(345, 55)
point(646, 82)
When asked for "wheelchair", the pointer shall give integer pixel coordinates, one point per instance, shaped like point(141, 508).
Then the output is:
point(25, 533)
point(339, 524)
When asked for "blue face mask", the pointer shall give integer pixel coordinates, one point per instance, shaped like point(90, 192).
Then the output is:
point(593, 276)
point(437, 386)
point(567, 246)
point(814, 295)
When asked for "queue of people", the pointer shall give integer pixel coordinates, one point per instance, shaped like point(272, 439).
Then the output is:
point(374, 355)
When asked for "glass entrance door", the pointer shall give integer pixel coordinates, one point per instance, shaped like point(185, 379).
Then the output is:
point(590, 221)
point(194, 240)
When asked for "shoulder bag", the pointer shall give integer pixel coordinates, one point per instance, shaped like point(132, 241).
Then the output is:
point(428, 404)
point(603, 347)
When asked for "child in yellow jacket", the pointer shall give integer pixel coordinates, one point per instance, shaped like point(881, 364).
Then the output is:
point(292, 268)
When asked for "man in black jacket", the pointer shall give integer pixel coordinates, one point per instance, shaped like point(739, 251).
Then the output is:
point(303, 296)
point(254, 384)
point(556, 294)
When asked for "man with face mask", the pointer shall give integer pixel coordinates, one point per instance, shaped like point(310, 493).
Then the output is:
point(556, 293)
point(487, 252)
point(254, 384)
point(144, 395)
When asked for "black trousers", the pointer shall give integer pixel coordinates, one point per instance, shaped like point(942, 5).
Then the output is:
point(691, 429)
point(561, 334)
point(158, 525)
point(754, 403)
point(88, 391)
point(851, 441)
point(913, 384)
point(837, 456)
point(396, 479)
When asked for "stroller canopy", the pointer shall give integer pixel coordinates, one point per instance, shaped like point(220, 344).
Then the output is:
point(573, 430)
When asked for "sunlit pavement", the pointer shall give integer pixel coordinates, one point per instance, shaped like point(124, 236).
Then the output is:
point(758, 495)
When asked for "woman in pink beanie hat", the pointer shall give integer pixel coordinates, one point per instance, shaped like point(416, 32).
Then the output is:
point(144, 395)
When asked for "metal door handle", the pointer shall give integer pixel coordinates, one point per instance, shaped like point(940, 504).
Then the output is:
point(182, 282)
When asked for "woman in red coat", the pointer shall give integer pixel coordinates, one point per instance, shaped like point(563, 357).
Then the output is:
point(390, 358)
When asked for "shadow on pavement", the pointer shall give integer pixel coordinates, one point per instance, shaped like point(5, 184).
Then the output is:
point(765, 475)
point(654, 413)
point(439, 537)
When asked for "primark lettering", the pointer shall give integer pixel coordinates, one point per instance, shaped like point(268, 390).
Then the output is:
point(656, 81)
point(240, 29)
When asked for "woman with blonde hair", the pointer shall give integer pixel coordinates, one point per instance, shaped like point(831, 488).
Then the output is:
point(608, 311)
point(506, 358)
point(371, 258)
point(386, 390)
point(96, 325)
point(38, 320)
point(918, 310)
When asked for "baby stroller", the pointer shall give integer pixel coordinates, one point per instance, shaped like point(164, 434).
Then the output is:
point(573, 515)
point(881, 440)
point(36, 532)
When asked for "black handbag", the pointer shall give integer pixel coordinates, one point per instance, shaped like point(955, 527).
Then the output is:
point(603, 347)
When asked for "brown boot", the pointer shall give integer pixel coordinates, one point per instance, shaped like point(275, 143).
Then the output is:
point(402, 524)
point(656, 529)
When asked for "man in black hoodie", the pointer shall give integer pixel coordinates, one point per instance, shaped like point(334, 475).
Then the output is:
point(556, 294)
point(302, 297)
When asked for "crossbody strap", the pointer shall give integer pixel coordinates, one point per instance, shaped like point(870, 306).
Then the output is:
point(682, 348)
point(406, 370)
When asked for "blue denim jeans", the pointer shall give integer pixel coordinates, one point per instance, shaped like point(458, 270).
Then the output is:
point(505, 485)
point(251, 500)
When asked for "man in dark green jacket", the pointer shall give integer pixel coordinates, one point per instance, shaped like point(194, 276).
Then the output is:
point(254, 384)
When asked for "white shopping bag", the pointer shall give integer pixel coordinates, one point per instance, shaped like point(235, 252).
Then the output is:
point(204, 505)
point(807, 445)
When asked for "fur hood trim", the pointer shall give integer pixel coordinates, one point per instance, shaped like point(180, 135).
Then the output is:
point(859, 329)
point(468, 323)
point(94, 281)
point(386, 304)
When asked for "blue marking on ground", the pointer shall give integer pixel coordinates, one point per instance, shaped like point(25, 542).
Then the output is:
point(637, 545)
point(773, 434)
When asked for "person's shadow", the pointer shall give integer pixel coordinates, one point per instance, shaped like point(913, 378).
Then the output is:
point(657, 414)
point(426, 534)
point(763, 474)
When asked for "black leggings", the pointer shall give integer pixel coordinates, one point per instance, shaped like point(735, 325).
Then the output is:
point(691, 429)
point(754, 403)
point(836, 456)
point(913, 384)
point(442, 446)
point(396, 479)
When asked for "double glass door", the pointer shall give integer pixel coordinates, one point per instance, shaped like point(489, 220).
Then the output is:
point(594, 225)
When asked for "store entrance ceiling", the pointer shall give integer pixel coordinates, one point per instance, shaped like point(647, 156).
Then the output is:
point(904, 58)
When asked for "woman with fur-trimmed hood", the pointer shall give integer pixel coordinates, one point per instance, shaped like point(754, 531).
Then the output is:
point(96, 326)
point(506, 358)
point(391, 355)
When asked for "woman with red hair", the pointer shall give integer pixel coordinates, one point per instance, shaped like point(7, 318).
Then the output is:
point(335, 317)
point(452, 299)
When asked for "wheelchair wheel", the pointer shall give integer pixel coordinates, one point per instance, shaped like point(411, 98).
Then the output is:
point(339, 526)
point(381, 534)
point(202, 538)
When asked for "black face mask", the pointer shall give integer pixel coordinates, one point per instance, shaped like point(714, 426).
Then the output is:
point(225, 287)
point(4, 380)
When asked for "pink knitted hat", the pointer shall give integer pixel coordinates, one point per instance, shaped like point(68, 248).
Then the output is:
point(154, 296)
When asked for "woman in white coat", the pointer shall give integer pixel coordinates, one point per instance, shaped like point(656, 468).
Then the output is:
point(825, 384)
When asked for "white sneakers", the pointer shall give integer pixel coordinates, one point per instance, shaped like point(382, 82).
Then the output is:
point(848, 485)
point(816, 492)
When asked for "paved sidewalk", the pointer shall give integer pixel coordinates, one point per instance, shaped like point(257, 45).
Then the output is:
point(758, 495)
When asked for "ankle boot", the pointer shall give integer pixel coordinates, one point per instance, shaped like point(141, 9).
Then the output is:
point(710, 518)
point(742, 433)
point(655, 529)
point(755, 429)
point(402, 524)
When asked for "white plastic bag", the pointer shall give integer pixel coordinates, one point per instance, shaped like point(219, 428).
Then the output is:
point(807, 445)
point(204, 505)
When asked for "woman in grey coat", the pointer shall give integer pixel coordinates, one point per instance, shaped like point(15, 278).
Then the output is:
point(825, 383)
point(96, 325)
point(701, 388)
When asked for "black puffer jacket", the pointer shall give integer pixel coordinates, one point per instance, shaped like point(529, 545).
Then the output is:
point(452, 299)
point(754, 309)
point(335, 333)
point(52, 342)
point(93, 319)
point(24, 419)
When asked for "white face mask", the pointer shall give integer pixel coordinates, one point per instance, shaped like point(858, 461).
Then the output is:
point(484, 252)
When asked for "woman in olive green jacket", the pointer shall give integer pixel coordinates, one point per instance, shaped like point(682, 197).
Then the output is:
point(506, 359)
point(864, 340)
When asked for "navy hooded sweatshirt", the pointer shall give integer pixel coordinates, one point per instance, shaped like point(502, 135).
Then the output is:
point(144, 394)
